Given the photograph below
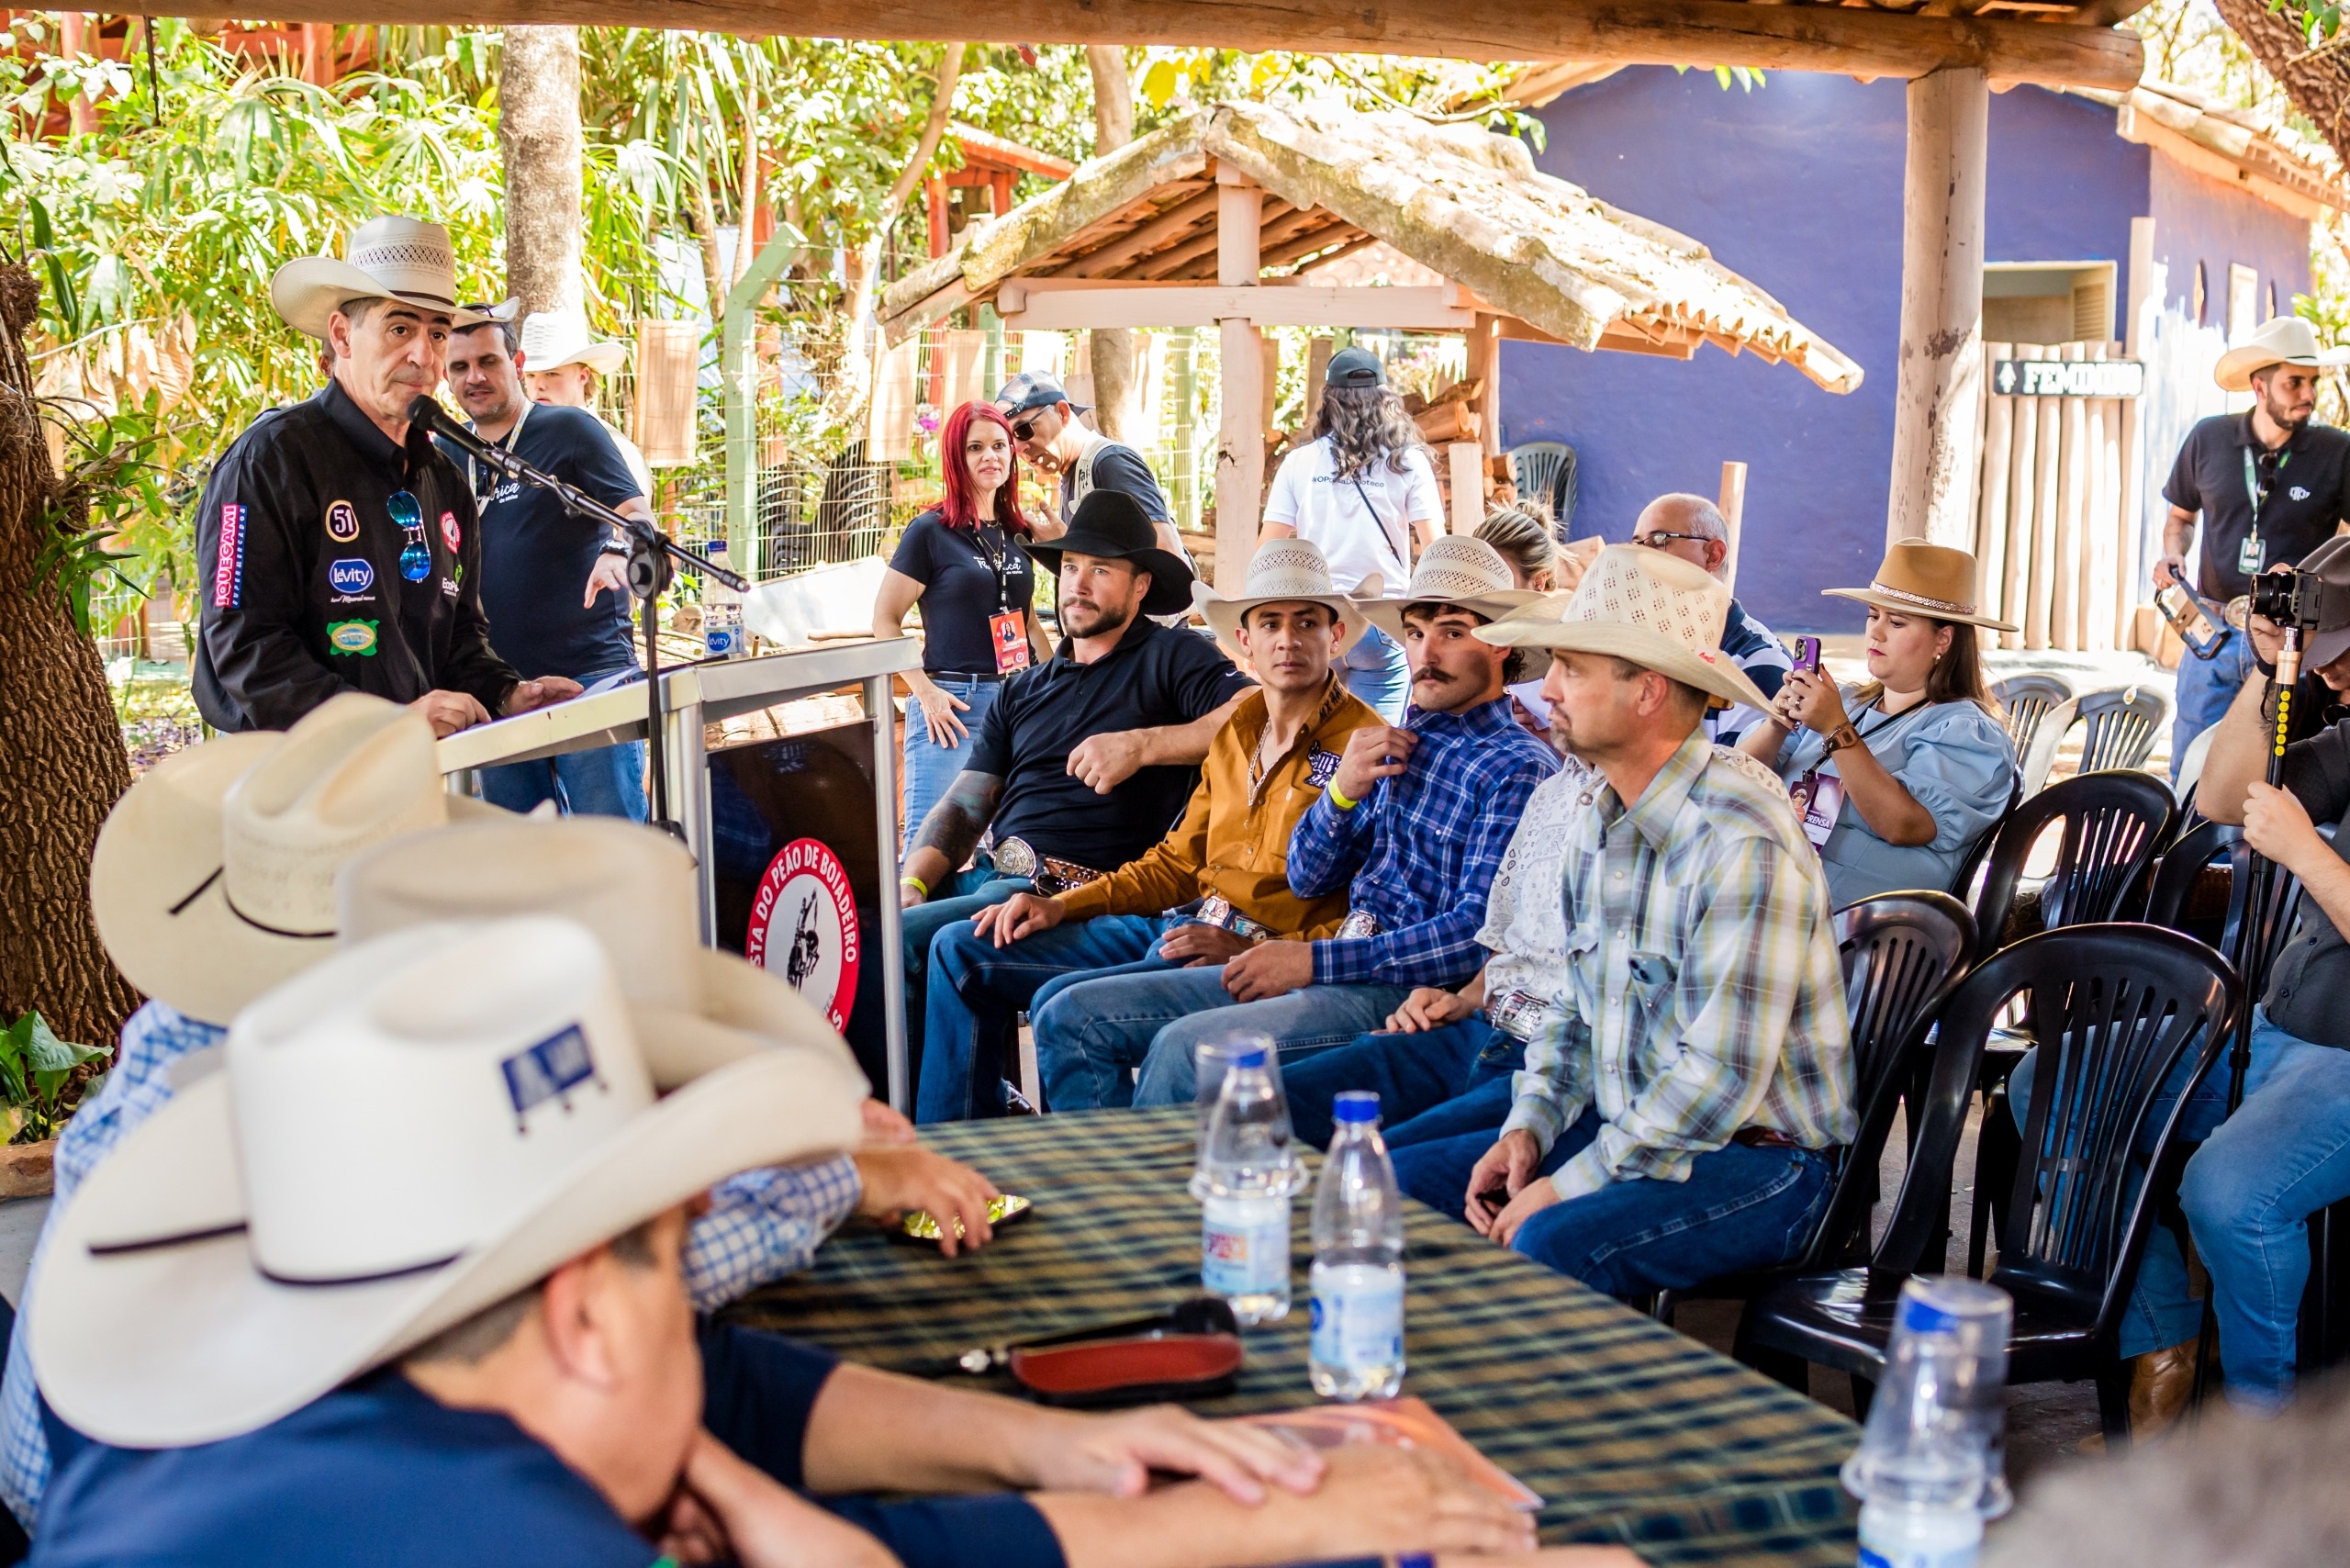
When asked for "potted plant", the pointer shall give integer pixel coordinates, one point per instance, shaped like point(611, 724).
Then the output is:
point(39, 1089)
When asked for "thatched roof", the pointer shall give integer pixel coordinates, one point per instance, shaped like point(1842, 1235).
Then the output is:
point(1468, 204)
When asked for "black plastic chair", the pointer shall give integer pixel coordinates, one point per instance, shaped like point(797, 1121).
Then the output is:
point(2121, 1005)
point(2026, 701)
point(2123, 725)
point(1903, 953)
point(2113, 825)
point(1544, 475)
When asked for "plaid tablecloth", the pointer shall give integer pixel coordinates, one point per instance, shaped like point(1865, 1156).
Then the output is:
point(1632, 1433)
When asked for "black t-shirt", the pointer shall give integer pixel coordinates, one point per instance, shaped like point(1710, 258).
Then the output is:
point(2312, 974)
point(535, 556)
point(1156, 675)
point(1119, 467)
point(2308, 494)
point(957, 569)
point(309, 587)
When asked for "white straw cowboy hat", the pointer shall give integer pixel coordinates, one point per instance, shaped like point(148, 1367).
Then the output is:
point(213, 879)
point(1283, 571)
point(1657, 611)
point(406, 1135)
point(2281, 340)
point(1936, 581)
point(393, 257)
point(1455, 570)
point(553, 339)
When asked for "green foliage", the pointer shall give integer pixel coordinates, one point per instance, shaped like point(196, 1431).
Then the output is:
point(36, 1078)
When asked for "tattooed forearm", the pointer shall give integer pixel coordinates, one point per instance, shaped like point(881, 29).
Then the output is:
point(951, 829)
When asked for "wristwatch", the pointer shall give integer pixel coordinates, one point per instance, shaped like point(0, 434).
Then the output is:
point(1842, 737)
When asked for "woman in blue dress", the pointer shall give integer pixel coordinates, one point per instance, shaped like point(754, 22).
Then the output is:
point(1898, 776)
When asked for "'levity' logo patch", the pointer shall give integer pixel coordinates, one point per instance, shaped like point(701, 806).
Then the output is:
point(351, 575)
point(356, 638)
point(229, 571)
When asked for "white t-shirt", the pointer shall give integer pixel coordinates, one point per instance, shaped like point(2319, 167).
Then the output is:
point(634, 457)
point(1358, 539)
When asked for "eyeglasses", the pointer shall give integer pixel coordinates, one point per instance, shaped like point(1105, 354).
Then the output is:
point(416, 555)
point(1664, 541)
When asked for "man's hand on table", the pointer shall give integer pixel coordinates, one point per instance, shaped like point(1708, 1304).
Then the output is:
point(539, 693)
point(1506, 1168)
point(1375, 1500)
point(1113, 1455)
point(727, 1511)
point(448, 711)
point(897, 1177)
point(1269, 968)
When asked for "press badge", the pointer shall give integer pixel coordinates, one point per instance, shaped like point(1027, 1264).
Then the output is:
point(2248, 556)
point(1009, 631)
point(1819, 798)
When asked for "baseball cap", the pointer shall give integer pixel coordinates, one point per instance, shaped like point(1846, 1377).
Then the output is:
point(1033, 390)
point(1356, 367)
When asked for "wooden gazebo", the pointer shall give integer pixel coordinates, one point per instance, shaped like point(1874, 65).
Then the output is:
point(1221, 218)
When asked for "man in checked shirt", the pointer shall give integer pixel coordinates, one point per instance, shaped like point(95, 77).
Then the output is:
point(1675, 1121)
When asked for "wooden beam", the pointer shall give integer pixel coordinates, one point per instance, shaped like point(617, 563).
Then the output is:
point(1241, 456)
point(1464, 464)
point(1845, 40)
point(1148, 235)
point(1937, 406)
point(1067, 304)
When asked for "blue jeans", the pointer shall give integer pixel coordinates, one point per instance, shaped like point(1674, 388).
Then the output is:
point(1410, 1073)
point(608, 782)
point(1742, 1208)
point(963, 895)
point(1157, 1017)
point(976, 987)
point(930, 768)
point(2248, 1193)
point(2206, 686)
point(1378, 672)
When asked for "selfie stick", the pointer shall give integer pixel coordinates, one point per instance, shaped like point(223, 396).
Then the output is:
point(650, 553)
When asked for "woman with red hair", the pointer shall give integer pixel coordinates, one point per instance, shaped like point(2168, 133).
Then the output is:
point(975, 585)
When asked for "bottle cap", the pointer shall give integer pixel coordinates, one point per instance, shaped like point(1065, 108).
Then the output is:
point(1252, 1056)
point(1356, 1105)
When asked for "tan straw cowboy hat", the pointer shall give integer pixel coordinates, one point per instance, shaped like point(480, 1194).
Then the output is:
point(213, 879)
point(553, 339)
point(1657, 611)
point(1455, 570)
point(1283, 571)
point(392, 257)
point(1936, 581)
point(408, 1133)
point(2281, 340)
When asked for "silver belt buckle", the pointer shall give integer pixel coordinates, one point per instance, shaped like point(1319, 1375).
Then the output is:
point(1519, 1015)
point(1014, 858)
point(1358, 924)
point(1217, 910)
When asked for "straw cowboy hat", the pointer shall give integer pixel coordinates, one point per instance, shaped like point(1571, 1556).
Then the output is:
point(1284, 571)
point(1918, 578)
point(2281, 340)
point(391, 257)
point(213, 879)
point(553, 339)
point(410, 1132)
point(1455, 570)
point(1658, 610)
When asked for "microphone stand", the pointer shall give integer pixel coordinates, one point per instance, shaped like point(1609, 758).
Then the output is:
point(650, 555)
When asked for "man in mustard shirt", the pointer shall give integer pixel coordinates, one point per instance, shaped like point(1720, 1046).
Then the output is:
point(1226, 856)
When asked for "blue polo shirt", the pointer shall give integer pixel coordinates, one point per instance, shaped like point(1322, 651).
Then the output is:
point(380, 1473)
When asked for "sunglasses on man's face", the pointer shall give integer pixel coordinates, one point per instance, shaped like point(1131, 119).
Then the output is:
point(1664, 541)
point(1026, 430)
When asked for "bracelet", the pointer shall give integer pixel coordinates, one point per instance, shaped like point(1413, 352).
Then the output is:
point(1842, 737)
point(916, 882)
point(1338, 800)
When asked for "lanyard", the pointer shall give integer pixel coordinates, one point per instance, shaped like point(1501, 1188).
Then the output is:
point(1000, 565)
point(2252, 490)
point(473, 480)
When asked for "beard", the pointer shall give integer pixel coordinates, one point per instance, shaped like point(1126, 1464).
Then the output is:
point(1103, 621)
point(2283, 415)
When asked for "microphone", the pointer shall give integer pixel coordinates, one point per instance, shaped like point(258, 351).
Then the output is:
point(425, 409)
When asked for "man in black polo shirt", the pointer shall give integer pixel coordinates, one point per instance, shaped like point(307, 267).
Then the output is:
point(336, 548)
point(1087, 758)
point(2270, 485)
point(554, 586)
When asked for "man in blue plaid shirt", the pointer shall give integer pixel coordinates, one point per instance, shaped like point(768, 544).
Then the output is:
point(1675, 1119)
point(1415, 818)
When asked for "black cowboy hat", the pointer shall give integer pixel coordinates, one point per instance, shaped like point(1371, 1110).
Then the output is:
point(1112, 524)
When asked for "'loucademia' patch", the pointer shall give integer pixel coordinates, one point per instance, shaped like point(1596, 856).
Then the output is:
point(1320, 767)
point(353, 637)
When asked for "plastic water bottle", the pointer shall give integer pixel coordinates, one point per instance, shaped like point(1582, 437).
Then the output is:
point(1923, 1471)
point(1246, 1176)
point(721, 612)
point(1357, 1350)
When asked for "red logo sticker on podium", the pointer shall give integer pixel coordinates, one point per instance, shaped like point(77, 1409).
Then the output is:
point(804, 927)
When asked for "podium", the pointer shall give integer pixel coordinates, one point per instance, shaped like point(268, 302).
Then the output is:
point(789, 806)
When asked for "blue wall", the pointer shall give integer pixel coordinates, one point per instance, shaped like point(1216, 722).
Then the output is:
point(1797, 186)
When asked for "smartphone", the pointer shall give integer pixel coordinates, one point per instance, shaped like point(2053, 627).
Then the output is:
point(2186, 617)
point(1807, 654)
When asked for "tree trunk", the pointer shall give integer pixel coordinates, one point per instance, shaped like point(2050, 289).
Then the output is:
point(1114, 347)
point(62, 760)
point(538, 132)
point(2318, 83)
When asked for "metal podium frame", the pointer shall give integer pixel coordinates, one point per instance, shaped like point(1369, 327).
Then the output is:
point(699, 694)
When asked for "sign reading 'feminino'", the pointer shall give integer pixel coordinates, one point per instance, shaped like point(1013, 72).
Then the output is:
point(2068, 377)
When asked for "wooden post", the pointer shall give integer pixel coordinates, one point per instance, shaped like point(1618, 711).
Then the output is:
point(2047, 501)
point(1187, 431)
point(2136, 581)
point(1464, 462)
point(1935, 406)
point(2023, 508)
point(1996, 489)
point(2071, 507)
point(1732, 507)
point(1485, 368)
point(1240, 460)
point(1317, 375)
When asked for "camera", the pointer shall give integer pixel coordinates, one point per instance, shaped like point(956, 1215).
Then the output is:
point(2303, 598)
